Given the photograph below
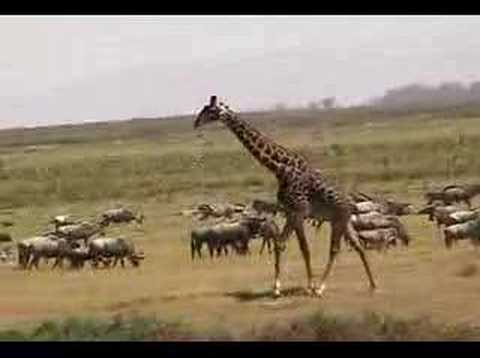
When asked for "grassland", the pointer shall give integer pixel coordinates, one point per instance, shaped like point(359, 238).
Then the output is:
point(163, 166)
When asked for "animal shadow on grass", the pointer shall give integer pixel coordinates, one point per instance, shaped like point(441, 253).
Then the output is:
point(251, 295)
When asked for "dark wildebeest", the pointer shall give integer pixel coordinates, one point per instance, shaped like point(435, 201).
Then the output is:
point(454, 194)
point(120, 215)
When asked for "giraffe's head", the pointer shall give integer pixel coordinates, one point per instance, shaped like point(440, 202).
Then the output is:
point(210, 113)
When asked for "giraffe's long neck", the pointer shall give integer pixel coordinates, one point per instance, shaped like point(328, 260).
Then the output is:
point(268, 153)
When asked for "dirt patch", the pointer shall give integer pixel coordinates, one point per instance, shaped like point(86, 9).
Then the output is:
point(467, 270)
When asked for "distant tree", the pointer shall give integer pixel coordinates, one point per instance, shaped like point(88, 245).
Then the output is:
point(313, 106)
point(328, 102)
point(280, 107)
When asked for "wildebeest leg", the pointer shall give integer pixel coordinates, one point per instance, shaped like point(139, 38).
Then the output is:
point(34, 262)
point(211, 249)
point(56, 263)
point(264, 241)
point(122, 262)
point(193, 248)
point(199, 249)
point(225, 249)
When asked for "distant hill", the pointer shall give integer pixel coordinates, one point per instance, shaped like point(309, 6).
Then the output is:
point(418, 96)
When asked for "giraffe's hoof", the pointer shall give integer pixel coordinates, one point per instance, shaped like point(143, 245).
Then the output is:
point(314, 292)
point(277, 293)
point(373, 290)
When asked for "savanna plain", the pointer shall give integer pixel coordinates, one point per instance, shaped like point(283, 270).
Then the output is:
point(163, 166)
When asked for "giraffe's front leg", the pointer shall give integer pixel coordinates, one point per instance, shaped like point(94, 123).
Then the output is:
point(302, 242)
point(279, 245)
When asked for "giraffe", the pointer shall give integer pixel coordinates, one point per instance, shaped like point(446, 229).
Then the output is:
point(303, 191)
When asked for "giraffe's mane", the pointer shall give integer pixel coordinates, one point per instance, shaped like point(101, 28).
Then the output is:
point(265, 137)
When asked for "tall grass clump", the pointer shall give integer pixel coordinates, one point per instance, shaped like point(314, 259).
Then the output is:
point(89, 329)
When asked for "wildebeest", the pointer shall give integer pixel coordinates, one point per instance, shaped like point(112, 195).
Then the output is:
point(23, 247)
point(81, 231)
point(77, 255)
point(376, 220)
point(120, 215)
point(117, 248)
point(379, 239)
point(205, 211)
point(367, 206)
point(266, 207)
point(440, 214)
point(454, 194)
point(62, 220)
point(219, 236)
point(365, 203)
point(7, 253)
point(33, 249)
point(268, 231)
point(467, 230)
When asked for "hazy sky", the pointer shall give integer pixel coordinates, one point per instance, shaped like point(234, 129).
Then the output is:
point(61, 69)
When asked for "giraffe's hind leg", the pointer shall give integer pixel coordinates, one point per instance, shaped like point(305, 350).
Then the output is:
point(352, 237)
point(338, 230)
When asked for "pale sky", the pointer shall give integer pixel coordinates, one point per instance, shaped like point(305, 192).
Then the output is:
point(65, 69)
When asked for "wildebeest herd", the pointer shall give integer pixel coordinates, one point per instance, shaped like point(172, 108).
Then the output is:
point(376, 220)
point(235, 225)
point(230, 228)
point(78, 241)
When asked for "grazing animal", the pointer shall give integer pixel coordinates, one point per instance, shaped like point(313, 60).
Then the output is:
point(440, 214)
point(45, 247)
point(272, 208)
point(199, 237)
point(3, 256)
point(218, 237)
point(7, 253)
point(359, 197)
point(379, 239)
point(81, 231)
point(268, 231)
point(205, 211)
point(116, 248)
point(367, 206)
point(266, 207)
point(398, 208)
point(23, 249)
point(120, 215)
point(62, 220)
point(467, 230)
point(459, 217)
point(365, 203)
point(303, 192)
point(454, 194)
point(78, 255)
point(375, 220)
